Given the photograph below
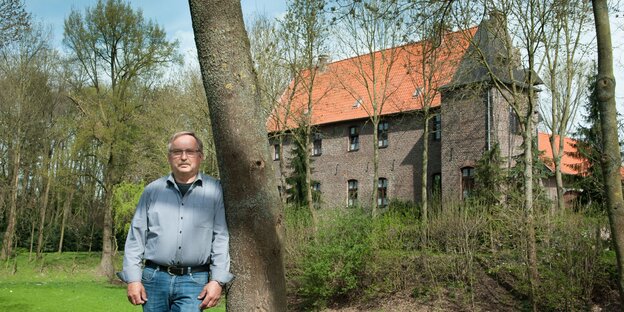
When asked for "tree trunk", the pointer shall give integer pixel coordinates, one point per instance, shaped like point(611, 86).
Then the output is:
point(425, 164)
point(106, 263)
point(44, 204)
point(308, 175)
point(611, 160)
point(7, 243)
point(250, 190)
point(532, 271)
point(66, 209)
point(375, 192)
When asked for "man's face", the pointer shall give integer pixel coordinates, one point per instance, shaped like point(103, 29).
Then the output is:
point(185, 157)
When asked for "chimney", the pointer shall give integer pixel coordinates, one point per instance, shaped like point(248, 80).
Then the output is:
point(323, 59)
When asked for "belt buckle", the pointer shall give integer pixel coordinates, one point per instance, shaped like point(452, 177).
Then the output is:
point(175, 270)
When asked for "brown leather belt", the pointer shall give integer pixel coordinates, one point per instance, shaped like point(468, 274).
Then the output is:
point(178, 270)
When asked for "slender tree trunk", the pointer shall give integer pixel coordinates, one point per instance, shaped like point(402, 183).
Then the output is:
point(106, 263)
point(611, 159)
point(32, 238)
point(250, 190)
point(7, 243)
point(44, 205)
point(532, 271)
point(425, 165)
point(375, 192)
point(308, 173)
point(66, 208)
point(282, 170)
point(559, 182)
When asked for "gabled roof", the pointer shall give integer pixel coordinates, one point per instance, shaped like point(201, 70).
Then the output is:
point(344, 89)
point(571, 163)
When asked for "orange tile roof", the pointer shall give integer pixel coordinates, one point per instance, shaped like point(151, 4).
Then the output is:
point(337, 88)
point(570, 162)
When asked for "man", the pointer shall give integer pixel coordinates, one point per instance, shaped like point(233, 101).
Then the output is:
point(179, 230)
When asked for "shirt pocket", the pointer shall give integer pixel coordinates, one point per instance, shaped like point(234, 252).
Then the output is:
point(203, 215)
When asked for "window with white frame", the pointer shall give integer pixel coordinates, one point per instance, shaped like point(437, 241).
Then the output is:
point(352, 195)
point(354, 138)
point(382, 134)
point(437, 127)
point(316, 194)
point(317, 145)
point(382, 192)
point(276, 152)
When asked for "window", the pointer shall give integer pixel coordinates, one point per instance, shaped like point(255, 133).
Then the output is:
point(467, 181)
point(352, 193)
point(354, 138)
point(316, 186)
point(382, 192)
point(316, 194)
point(317, 145)
point(514, 122)
point(436, 185)
point(357, 103)
point(382, 134)
point(437, 127)
point(276, 152)
point(417, 92)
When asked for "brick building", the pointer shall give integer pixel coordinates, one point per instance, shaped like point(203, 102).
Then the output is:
point(468, 116)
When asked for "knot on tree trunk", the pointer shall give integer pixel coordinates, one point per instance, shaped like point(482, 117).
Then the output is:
point(605, 88)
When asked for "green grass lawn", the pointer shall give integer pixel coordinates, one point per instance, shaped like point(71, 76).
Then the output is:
point(65, 282)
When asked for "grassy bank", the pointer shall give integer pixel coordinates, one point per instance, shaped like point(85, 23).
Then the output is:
point(65, 282)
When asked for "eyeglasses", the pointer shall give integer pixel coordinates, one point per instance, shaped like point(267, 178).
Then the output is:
point(189, 153)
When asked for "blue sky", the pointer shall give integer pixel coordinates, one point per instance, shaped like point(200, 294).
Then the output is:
point(173, 15)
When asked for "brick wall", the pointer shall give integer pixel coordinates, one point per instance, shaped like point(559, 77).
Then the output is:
point(400, 163)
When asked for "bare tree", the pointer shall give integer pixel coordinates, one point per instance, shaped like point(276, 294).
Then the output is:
point(24, 75)
point(565, 70)
point(13, 20)
point(267, 52)
point(370, 31)
point(250, 191)
point(116, 49)
point(506, 51)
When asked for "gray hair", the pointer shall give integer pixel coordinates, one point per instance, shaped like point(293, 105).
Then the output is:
point(200, 145)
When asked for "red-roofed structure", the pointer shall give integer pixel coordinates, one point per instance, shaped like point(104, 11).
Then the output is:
point(470, 117)
point(339, 87)
point(571, 162)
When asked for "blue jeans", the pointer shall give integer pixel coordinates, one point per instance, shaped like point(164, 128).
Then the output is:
point(172, 293)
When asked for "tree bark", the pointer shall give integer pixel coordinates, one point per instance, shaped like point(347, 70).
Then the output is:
point(7, 242)
point(424, 173)
point(611, 159)
point(44, 204)
point(250, 191)
point(66, 209)
point(106, 263)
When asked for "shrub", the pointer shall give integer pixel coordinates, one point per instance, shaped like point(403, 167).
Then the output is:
point(334, 262)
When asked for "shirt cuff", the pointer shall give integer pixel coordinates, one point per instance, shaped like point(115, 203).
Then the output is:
point(127, 277)
point(220, 275)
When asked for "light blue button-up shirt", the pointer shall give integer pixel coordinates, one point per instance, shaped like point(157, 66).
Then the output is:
point(169, 229)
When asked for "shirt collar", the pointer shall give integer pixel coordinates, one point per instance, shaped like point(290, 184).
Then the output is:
point(198, 179)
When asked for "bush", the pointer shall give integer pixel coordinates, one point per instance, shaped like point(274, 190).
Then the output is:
point(334, 262)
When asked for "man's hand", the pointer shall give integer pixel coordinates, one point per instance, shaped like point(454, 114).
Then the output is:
point(137, 294)
point(210, 295)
